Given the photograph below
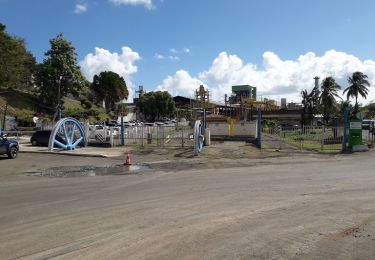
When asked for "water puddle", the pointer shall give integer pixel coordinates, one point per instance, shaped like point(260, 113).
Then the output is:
point(90, 171)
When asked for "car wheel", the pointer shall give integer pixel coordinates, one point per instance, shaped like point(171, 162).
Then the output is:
point(34, 142)
point(13, 153)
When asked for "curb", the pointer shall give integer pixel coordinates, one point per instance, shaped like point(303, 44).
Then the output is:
point(69, 154)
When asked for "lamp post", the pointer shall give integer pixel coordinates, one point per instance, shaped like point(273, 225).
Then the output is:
point(59, 98)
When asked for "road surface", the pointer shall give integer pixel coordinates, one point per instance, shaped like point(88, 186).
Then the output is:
point(288, 208)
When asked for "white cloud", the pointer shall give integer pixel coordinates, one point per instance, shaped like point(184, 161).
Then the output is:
point(80, 8)
point(276, 78)
point(173, 57)
point(104, 60)
point(177, 51)
point(180, 83)
point(147, 3)
point(159, 56)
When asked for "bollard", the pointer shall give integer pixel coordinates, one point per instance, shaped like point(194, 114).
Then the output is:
point(127, 159)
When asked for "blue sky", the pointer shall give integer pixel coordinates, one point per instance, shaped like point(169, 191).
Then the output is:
point(176, 45)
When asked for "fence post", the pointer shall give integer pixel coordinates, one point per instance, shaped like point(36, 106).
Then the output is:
point(182, 137)
point(111, 136)
point(344, 141)
point(259, 135)
point(157, 136)
point(122, 131)
point(322, 139)
point(142, 136)
point(164, 138)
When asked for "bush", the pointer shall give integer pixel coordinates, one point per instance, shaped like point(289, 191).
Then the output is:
point(24, 119)
point(79, 113)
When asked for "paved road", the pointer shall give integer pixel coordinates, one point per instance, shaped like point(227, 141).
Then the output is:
point(290, 208)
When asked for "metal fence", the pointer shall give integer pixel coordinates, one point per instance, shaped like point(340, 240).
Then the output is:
point(317, 138)
point(157, 136)
point(144, 136)
point(368, 136)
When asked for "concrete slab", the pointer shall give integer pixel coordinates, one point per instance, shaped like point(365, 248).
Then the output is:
point(86, 151)
point(360, 148)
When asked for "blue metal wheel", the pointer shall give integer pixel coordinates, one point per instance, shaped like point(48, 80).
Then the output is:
point(67, 135)
point(198, 137)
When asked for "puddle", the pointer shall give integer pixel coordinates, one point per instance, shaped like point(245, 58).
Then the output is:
point(90, 171)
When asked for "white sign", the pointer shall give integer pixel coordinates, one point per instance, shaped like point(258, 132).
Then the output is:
point(360, 115)
point(356, 125)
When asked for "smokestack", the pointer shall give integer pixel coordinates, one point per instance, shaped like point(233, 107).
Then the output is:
point(317, 82)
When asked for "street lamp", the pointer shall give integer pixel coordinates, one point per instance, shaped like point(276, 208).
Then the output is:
point(59, 98)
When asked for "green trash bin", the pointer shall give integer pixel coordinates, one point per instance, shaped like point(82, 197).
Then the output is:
point(355, 133)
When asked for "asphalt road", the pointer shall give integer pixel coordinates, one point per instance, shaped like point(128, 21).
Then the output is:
point(287, 208)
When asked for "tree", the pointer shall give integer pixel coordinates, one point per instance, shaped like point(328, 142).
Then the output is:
point(358, 84)
point(328, 97)
point(310, 102)
point(156, 105)
point(109, 87)
point(370, 110)
point(17, 65)
point(59, 74)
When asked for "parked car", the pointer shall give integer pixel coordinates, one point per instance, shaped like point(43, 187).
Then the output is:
point(41, 138)
point(8, 147)
point(149, 124)
point(367, 124)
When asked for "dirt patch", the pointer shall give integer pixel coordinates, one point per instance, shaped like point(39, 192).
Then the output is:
point(234, 150)
point(89, 171)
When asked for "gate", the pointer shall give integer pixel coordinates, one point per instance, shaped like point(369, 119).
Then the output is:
point(316, 138)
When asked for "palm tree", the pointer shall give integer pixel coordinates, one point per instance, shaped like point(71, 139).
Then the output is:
point(358, 86)
point(328, 97)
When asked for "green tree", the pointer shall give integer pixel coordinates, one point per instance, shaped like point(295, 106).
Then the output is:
point(109, 87)
point(156, 105)
point(310, 103)
point(17, 65)
point(370, 110)
point(328, 97)
point(59, 73)
point(358, 84)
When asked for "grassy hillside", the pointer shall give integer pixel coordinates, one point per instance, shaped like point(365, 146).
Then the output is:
point(24, 105)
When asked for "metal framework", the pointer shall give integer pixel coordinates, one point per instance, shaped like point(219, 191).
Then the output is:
point(67, 134)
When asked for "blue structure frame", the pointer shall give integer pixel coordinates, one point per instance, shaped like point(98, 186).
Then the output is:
point(198, 137)
point(70, 133)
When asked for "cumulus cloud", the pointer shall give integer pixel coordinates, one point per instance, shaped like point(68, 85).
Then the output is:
point(177, 51)
point(159, 56)
point(180, 83)
point(173, 57)
point(276, 77)
point(80, 8)
point(104, 60)
point(147, 3)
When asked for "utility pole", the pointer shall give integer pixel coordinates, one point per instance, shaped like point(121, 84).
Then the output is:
point(59, 99)
point(226, 102)
point(122, 126)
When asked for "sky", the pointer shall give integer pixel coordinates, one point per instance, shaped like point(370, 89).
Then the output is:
point(176, 45)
